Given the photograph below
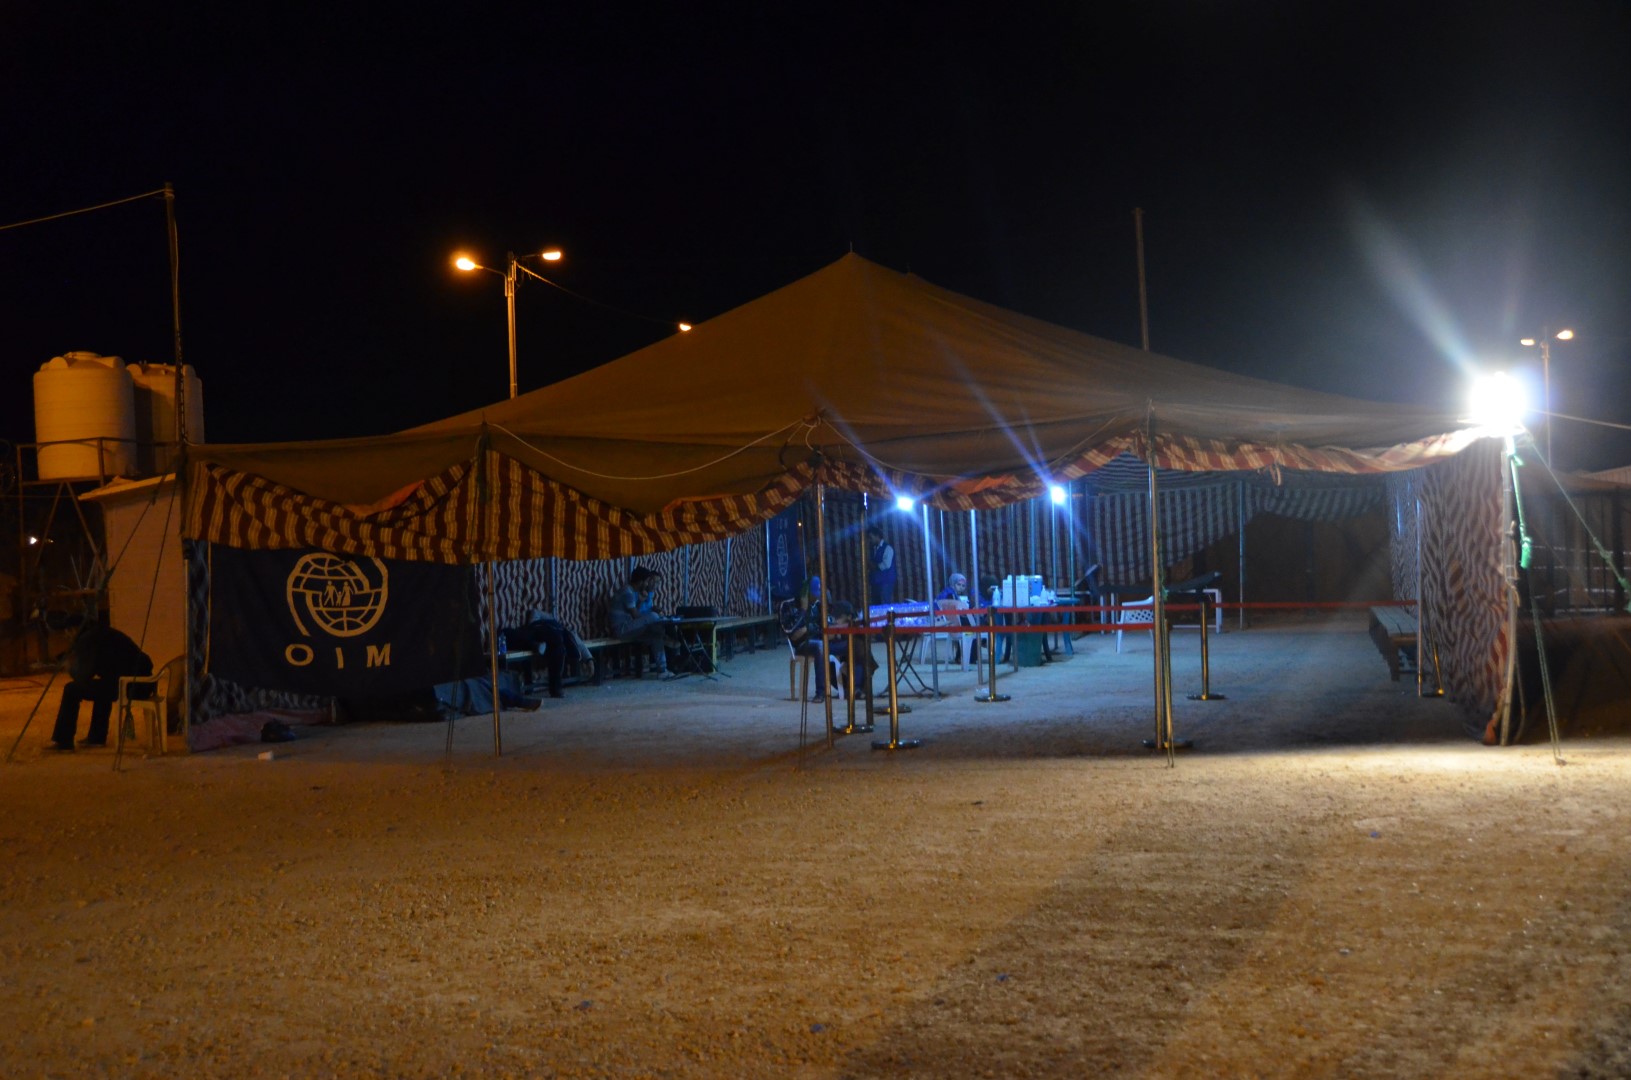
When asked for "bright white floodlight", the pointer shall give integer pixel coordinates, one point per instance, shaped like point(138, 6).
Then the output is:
point(904, 503)
point(1498, 401)
point(1056, 492)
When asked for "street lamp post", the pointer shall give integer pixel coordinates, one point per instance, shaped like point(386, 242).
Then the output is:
point(1545, 343)
point(512, 264)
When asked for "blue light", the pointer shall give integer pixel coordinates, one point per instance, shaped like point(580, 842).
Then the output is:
point(1056, 492)
point(904, 503)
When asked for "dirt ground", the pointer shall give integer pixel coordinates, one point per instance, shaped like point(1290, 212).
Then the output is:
point(653, 881)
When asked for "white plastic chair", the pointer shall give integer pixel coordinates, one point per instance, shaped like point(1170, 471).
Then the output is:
point(794, 673)
point(155, 710)
point(950, 612)
point(1138, 614)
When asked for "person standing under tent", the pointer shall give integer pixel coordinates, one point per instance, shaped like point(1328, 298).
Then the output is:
point(633, 617)
point(881, 575)
point(99, 657)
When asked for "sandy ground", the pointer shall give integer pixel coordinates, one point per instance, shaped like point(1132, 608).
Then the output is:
point(653, 881)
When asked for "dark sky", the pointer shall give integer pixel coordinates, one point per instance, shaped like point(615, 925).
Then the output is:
point(1359, 198)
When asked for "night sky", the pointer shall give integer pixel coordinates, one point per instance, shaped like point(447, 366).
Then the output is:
point(1360, 198)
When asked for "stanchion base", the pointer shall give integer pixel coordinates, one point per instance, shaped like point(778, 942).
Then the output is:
point(840, 730)
point(1207, 697)
point(1178, 744)
point(988, 696)
point(904, 744)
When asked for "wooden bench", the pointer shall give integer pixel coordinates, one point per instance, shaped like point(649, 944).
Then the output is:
point(1394, 631)
point(615, 656)
point(749, 626)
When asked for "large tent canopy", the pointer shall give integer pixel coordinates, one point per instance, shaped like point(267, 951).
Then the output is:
point(863, 379)
point(881, 379)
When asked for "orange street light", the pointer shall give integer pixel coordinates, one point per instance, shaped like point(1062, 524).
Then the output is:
point(511, 265)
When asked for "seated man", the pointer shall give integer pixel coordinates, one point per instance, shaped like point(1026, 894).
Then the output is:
point(631, 612)
point(546, 635)
point(801, 622)
point(97, 659)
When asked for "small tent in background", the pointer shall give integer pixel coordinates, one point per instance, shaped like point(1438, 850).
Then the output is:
point(862, 379)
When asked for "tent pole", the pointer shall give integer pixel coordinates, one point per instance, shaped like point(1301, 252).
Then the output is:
point(1241, 590)
point(1157, 611)
point(826, 587)
point(1509, 571)
point(929, 591)
point(1164, 739)
point(725, 599)
point(492, 649)
point(1420, 613)
point(973, 553)
point(1143, 293)
point(866, 620)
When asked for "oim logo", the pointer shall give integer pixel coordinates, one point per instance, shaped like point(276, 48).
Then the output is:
point(336, 595)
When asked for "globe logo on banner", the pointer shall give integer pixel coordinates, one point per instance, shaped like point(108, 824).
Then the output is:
point(340, 597)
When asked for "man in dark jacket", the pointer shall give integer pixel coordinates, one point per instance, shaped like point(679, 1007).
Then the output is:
point(547, 636)
point(97, 659)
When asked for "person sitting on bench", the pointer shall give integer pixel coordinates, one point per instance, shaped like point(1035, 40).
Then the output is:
point(546, 635)
point(630, 610)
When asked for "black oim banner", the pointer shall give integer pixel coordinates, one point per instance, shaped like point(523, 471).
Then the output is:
point(315, 622)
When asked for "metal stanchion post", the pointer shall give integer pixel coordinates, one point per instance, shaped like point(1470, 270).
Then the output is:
point(1206, 663)
point(895, 742)
point(850, 726)
point(1165, 740)
point(991, 662)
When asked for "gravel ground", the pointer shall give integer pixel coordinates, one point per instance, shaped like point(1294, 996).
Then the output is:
point(654, 881)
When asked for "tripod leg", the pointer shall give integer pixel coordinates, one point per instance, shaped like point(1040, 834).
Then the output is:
point(13, 751)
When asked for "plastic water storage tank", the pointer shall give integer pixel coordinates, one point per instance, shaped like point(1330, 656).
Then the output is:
point(156, 414)
point(80, 398)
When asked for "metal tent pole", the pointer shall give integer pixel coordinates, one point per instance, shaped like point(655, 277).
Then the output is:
point(929, 591)
point(826, 586)
point(1241, 590)
point(492, 649)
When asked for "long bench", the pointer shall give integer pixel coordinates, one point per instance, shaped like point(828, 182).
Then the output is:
point(749, 627)
point(616, 656)
point(1394, 631)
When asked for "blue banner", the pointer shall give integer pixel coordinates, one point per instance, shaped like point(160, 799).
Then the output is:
point(315, 622)
point(786, 553)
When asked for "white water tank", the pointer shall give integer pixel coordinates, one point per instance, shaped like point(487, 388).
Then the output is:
point(156, 414)
point(84, 417)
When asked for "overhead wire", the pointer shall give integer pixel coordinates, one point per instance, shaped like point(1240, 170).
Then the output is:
point(81, 210)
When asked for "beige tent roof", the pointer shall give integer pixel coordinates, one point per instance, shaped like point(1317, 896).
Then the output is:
point(861, 363)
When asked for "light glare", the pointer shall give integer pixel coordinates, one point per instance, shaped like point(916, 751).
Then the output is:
point(1057, 494)
point(685, 327)
point(552, 255)
point(1498, 401)
point(904, 503)
point(465, 263)
point(1565, 335)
